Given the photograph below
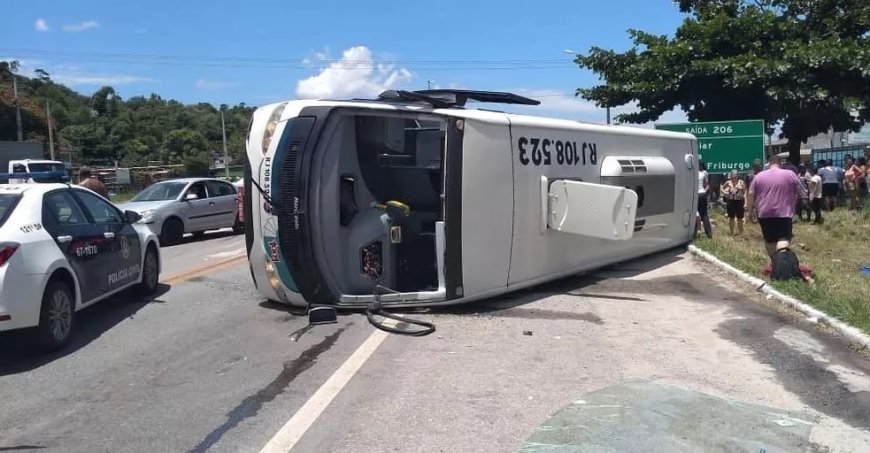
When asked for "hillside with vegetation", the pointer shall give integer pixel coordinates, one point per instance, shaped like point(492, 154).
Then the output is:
point(101, 128)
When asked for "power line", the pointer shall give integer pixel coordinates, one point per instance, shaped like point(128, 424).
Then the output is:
point(294, 63)
point(270, 59)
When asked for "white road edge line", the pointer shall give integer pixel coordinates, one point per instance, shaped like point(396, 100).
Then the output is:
point(851, 333)
point(289, 434)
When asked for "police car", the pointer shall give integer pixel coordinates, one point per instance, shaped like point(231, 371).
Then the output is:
point(63, 248)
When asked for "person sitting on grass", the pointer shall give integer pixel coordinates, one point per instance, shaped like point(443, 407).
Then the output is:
point(734, 193)
point(772, 196)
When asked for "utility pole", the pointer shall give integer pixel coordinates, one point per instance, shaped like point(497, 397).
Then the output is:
point(224, 131)
point(608, 115)
point(17, 107)
point(50, 129)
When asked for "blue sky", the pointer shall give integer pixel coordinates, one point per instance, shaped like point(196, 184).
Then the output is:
point(257, 52)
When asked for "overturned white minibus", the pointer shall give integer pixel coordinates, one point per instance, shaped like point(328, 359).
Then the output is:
point(436, 203)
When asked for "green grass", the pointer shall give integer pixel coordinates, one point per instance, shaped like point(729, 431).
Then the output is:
point(123, 197)
point(835, 251)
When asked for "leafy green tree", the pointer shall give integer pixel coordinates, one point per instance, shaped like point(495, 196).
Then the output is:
point(101, 127)
point(183, 142)
point(42, 75)
point(197, 164)
point(135, 152)
point(804, 65)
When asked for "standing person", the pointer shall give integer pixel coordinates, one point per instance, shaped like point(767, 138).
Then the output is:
point(734, 193)
point(703, 198)
point(773, 193)
point(841, 175)
point(830, 186)
point(867, 169)
point(862, 178)
point(803, 203)
point(756, 169)
point(816, 195)
point(852, 174)
point(87, 181)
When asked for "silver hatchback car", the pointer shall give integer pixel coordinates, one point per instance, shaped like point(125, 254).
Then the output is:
point(187, 205)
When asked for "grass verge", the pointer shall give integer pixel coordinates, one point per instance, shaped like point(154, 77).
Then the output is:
point(835, 251)
point(123, 197)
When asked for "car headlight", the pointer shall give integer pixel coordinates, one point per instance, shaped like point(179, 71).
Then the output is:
point(148, 216)
point(271, 126)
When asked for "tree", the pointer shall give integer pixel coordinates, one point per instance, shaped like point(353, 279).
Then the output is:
point(42, 75)
point(9, 67)
point(135, 153)
point(197, 164)
point(804, 65)
point(183, 142)
point(101, 127)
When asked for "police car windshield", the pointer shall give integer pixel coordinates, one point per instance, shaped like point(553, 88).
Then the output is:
point(7, 204)
point(43, 167)
point(161, 191)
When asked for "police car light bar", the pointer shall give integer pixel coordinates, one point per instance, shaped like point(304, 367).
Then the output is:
point(41, 175)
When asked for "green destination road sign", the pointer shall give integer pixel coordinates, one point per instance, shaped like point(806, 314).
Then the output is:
point(725, 145)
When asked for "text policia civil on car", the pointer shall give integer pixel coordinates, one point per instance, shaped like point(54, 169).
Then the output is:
point(412, 200)
point(63, 248)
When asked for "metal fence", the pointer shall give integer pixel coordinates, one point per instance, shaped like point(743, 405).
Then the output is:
point(838, 155)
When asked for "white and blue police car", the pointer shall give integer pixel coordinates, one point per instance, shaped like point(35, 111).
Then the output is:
point(63, 248)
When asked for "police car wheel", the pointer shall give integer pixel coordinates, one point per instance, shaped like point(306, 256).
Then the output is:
point(172, 232)
point(150, 272)
point(57, 316)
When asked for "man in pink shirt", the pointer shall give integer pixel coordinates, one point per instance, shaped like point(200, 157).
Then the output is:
point(772, 196)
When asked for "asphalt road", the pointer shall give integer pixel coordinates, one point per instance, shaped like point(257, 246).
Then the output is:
point(207, 365)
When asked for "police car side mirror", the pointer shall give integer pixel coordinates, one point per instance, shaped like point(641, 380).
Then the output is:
point(191, 196)
point(132, 216)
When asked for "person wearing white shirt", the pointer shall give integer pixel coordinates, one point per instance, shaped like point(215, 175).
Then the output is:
point(815, 189)
point(703, 198)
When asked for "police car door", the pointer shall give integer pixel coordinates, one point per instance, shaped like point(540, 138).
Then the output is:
point(125, 250)
point(81, 241)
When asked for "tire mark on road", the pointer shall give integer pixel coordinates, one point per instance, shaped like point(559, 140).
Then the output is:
point(252, 404)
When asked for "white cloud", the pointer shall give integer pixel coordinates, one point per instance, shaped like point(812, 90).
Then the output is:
point(317, 56)
point(139, 31)
point(41, 25)
point(97, 79)
point(356, 74)
point(206, 84)
point(81, 26)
